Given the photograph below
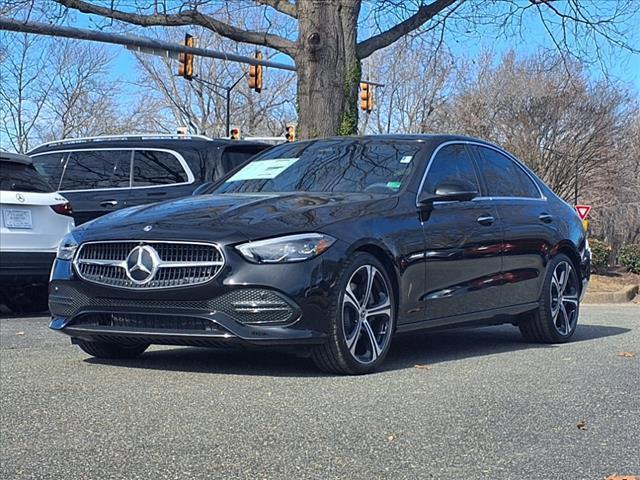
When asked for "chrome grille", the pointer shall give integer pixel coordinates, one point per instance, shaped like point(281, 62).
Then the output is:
point(162, 264)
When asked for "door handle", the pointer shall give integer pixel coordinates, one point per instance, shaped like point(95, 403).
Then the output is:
point(486, 220)
point(109, 203)
point(546, 217)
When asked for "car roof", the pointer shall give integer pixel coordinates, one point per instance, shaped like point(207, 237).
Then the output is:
point(14, 158)
point(172, 142)
point(435, 138)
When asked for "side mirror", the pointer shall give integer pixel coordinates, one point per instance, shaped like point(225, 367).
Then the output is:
point(449, 191)
point(202, 189)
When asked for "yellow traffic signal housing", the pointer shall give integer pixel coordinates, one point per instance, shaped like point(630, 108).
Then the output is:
point(255, 74)
point(235, 133)
point(185, 60)
point(291, 133)
point(366, 97)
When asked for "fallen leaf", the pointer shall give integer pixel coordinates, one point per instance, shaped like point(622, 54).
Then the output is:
point(392, 437)
point(615, 476)
point(626, 354)
point(423, 367)
point(582, 425)
point(19, 333)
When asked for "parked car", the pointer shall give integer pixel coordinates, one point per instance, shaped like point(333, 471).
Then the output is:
point(331, 246)
point(102, 174)
point(33, 220)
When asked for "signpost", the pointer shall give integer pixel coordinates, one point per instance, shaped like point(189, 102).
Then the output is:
point(583, 211)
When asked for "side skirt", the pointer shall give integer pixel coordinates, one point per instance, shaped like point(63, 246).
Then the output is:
point(485, 317)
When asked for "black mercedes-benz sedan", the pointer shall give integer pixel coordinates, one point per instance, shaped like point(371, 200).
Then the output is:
point(330, 247)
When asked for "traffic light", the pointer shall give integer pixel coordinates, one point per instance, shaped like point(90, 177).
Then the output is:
point(366, 97)
point(185, 60)
point(255, 74)
point(235, 133)
point(291, 133)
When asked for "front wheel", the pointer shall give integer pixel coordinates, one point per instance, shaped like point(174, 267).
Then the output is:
point(363, 319)
point(556, 318)
point(112, 350)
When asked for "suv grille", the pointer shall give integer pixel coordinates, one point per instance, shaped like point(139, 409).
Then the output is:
point(148, 265)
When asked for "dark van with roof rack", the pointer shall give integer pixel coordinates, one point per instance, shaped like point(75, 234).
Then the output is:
point(99, 175)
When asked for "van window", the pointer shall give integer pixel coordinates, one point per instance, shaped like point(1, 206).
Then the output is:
point(97, 169)
point(156, 168)
point(50, 166)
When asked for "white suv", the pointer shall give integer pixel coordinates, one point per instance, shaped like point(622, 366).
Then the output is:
point(33, 220)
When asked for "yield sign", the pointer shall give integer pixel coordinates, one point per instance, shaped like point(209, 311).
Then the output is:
point(583, 211)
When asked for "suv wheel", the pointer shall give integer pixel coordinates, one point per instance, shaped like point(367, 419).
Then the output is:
point(556, 319)
point(363, 320)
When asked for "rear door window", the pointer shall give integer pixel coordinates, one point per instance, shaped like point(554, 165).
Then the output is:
point(504, 178)
point(18, 177)
point(452, 162)
point(157, 168)
point(88, 170)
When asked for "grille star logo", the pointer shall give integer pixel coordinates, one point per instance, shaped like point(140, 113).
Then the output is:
point(142, 264)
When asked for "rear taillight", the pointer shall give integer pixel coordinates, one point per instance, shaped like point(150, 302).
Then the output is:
point(63, 209)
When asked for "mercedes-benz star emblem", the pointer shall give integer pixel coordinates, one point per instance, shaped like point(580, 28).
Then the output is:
point(19, 197)
point(148, 228)
point(142, 264)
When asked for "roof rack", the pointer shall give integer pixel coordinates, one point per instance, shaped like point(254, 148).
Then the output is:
point(138, 136)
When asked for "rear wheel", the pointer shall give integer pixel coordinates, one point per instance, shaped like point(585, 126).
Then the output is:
point(363, 320)
point(112, 350)
point(556, 319)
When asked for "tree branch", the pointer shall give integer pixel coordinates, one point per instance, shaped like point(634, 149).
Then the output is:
point(186, 17)
point(282, 6)
point(386, 38)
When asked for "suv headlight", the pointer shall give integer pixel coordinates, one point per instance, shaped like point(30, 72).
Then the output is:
point(292, 248)
point(67, 247)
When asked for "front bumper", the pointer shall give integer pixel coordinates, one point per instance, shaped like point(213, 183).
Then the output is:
point(203, 315)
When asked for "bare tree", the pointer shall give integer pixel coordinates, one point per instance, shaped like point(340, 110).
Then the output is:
point(54, 89)
point(417, 87)
point(327, 52)
point(24, 90)
point(201, 104)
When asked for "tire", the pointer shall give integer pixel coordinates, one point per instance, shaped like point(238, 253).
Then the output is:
point(112, 350)
point(359, 335)
point(556, 318)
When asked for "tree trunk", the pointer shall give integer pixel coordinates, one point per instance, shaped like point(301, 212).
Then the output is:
point(328, 68)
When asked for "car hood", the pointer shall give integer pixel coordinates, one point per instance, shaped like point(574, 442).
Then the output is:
point(230, 218)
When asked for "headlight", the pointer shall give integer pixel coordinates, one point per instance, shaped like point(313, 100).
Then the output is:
point(292, 248)
point(67, 247)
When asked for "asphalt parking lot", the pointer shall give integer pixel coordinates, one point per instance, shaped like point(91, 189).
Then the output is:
point(484, 404)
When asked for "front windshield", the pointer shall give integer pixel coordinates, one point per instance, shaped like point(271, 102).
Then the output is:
point(342, 165)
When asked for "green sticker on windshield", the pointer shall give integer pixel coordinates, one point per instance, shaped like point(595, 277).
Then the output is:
point(263, 169)
point(394, 185)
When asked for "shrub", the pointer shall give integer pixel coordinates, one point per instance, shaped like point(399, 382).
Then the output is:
point(599, 254)
point(629, 256)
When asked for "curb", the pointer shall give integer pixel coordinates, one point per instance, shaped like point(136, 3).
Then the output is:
point(621, 296)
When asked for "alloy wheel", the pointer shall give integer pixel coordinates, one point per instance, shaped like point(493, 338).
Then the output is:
point(564, 298)
point(367, 314)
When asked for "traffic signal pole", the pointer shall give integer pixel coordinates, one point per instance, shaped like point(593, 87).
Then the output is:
point(227, 96)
